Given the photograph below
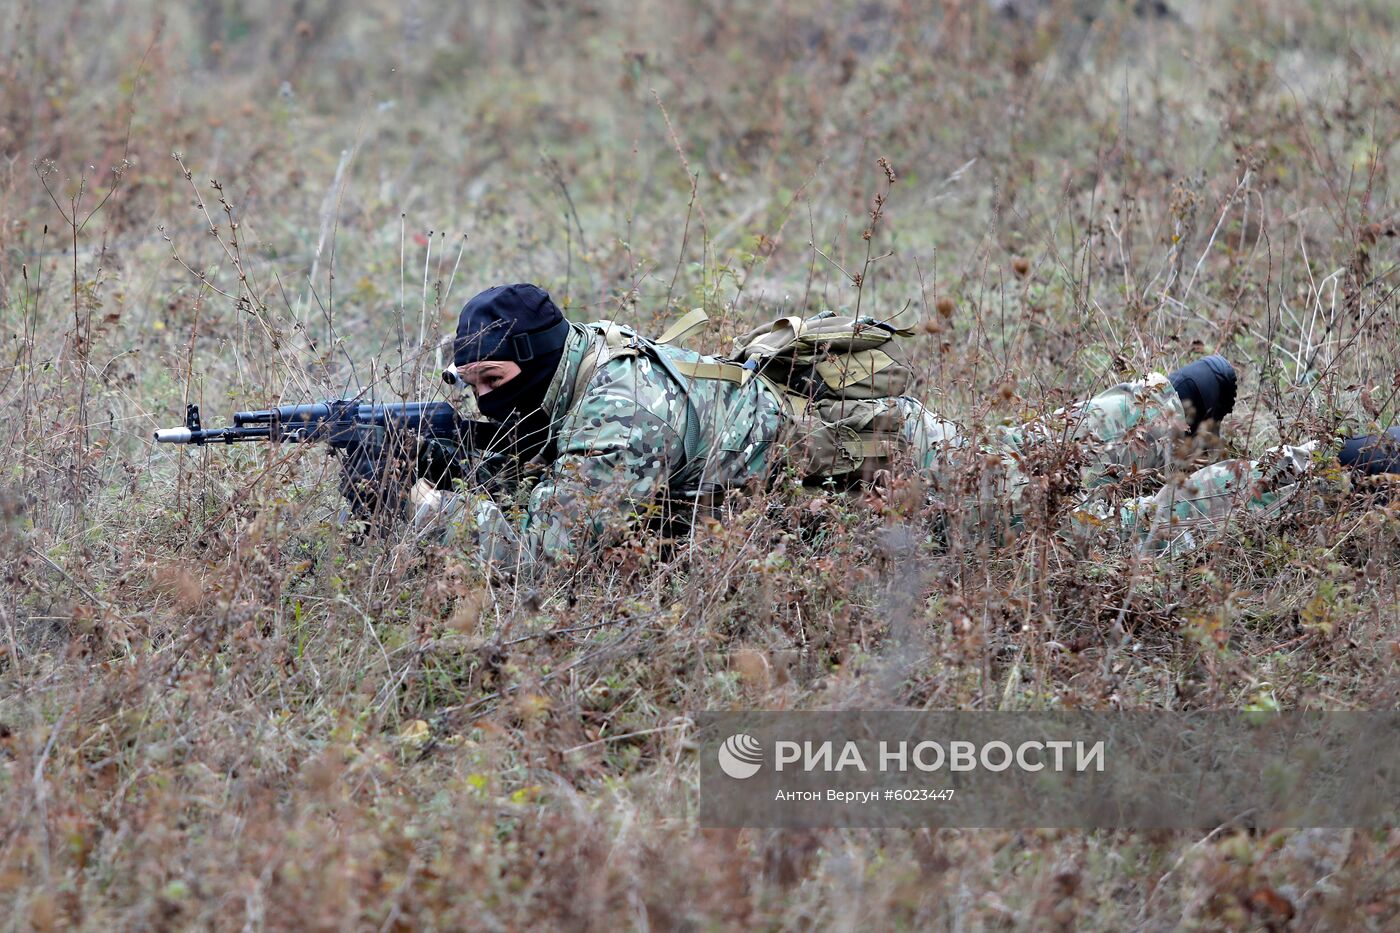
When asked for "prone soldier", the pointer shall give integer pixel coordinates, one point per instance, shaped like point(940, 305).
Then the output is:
point(600, 425)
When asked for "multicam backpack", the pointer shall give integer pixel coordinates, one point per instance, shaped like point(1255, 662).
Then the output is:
point(837, 378)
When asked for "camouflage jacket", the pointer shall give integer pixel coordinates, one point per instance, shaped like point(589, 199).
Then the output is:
point(629, 435)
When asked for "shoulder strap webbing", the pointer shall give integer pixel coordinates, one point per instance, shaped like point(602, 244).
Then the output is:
point(611, 341)
point(689, 323)
point(587, 368)
point(705, 369)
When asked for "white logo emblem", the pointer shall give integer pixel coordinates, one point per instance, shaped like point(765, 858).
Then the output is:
point(740, 756)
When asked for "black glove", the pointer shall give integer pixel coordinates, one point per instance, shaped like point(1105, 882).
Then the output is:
point(376, 473)
point(1207, 388)
point(439, 463)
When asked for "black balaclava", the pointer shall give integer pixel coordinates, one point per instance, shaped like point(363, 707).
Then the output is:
point(518, 324)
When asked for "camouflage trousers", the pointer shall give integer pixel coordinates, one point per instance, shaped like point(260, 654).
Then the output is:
point(1083, 470)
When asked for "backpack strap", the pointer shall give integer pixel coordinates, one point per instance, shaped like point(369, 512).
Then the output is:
point(587, 368)
point(688, 324)
point(703, 369)
point(615, 341)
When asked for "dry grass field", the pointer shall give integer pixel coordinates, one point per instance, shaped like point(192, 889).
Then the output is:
point(218, 711)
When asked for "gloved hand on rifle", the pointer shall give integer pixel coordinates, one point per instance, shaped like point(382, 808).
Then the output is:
point(379, 469)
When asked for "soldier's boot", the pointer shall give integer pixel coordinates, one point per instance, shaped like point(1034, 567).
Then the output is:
point(1207, 389)
point(1373, 454)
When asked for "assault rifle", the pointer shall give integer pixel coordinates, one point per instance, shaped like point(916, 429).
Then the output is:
point(339, 423)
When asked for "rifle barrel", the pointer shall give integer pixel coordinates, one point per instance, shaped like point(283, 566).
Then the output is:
point(212, 435)
point(333, 422)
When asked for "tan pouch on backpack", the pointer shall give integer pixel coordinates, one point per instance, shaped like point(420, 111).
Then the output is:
point(844, 353)
point(850, 438)
point(841, 384)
